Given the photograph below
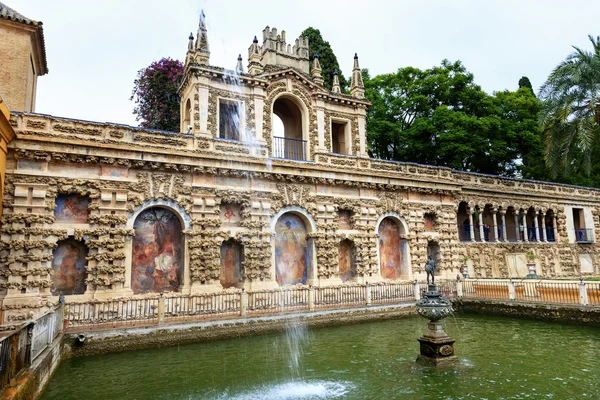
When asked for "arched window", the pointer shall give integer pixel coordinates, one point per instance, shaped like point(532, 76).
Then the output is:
point(549, 223)
point(292, 144)
point(72, 208)
point(68, 267)
point(292, 250)
point(464, 223)
point(157, 260)
point(393, 250)
point(346, 264)
point(187, 122)
point(232, 256)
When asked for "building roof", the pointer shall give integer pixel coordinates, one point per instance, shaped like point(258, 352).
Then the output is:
point(8, 13)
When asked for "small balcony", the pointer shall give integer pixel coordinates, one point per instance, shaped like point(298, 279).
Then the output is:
point(583, 235)
point(290, 149)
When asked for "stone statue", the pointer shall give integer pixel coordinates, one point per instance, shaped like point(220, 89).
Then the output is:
point(430, 268)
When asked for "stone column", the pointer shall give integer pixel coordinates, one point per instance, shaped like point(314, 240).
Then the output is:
point(544, 233)
point(203, 102)
point(525, 233)
point(537, 228)
point(496, 238)
point(320, 108)
point(481, 236)
point(471, 229)
point(517, 230)
point(259, 101)
point(504, 234)
point(362, 133)
point(554, 228)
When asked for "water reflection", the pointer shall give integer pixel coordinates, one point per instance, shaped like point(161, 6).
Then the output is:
point(501, 359)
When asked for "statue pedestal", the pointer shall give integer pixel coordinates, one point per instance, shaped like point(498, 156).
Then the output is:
point(437, 348)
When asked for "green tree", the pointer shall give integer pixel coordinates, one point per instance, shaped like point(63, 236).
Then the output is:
point(327, 58)
point(439, 116)
point(524, 82)
point(570, 118)
point(155, 95)
point(518, 112)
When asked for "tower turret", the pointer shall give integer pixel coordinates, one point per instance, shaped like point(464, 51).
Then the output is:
point(335, 88)
point(239, 68)
point(255, 65)
point(202, 50)
point(316, 70)
point(357, 87)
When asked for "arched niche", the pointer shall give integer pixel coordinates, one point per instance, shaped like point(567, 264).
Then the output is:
point(232, 257)
point(346, 260)
point(69, 267)
point(157, 262)
point(72, 208)
point(293, 142)
point(187, 121)
point(393, 248)
point(293, 250)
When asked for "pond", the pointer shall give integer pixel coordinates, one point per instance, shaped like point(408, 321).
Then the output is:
point(501, 358)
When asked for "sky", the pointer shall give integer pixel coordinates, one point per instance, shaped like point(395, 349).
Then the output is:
point(95, 48)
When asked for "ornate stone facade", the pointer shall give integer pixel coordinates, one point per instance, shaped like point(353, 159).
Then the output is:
point(224, 189)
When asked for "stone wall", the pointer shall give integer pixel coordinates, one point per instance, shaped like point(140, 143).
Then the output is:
point(124, 170)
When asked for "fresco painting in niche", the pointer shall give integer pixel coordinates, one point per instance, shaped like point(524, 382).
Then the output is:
point(344, 219)
point(68, 268)
point(232, 256)
point(72, 208)
point(346, 260)
point(230, 214)
point(429, 222)
point(157, 262)
point(291, 250)
point(390, 255)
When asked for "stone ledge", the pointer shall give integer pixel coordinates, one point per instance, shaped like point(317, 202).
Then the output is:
point(543, 312)
point(101, 342)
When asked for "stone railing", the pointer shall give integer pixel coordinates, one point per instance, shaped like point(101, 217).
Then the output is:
point(176, 307)
point(566, 292)
point(20, 346)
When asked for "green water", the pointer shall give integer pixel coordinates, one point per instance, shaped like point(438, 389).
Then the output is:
point(501, 359)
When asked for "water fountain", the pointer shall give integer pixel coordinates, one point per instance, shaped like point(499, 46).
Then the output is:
point(437, 348)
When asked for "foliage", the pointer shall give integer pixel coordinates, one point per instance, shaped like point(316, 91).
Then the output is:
point(155, 95)
point(439, 116)
point(327, 58)
point(524, 82)
point(570, 118)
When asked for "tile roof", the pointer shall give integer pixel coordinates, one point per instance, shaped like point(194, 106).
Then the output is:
point(9, 14)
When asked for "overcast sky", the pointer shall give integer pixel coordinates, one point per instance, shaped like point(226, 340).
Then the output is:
point(95, 49)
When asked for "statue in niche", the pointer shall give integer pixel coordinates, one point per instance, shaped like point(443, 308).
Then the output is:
point(430, 267)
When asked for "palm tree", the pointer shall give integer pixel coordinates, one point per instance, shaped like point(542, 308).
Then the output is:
point(570, 118)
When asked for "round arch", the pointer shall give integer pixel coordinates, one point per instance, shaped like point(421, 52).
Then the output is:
point(301, 212)
point(390, 252)
point(183, 274)
point(169, 204)
point(294, 115)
